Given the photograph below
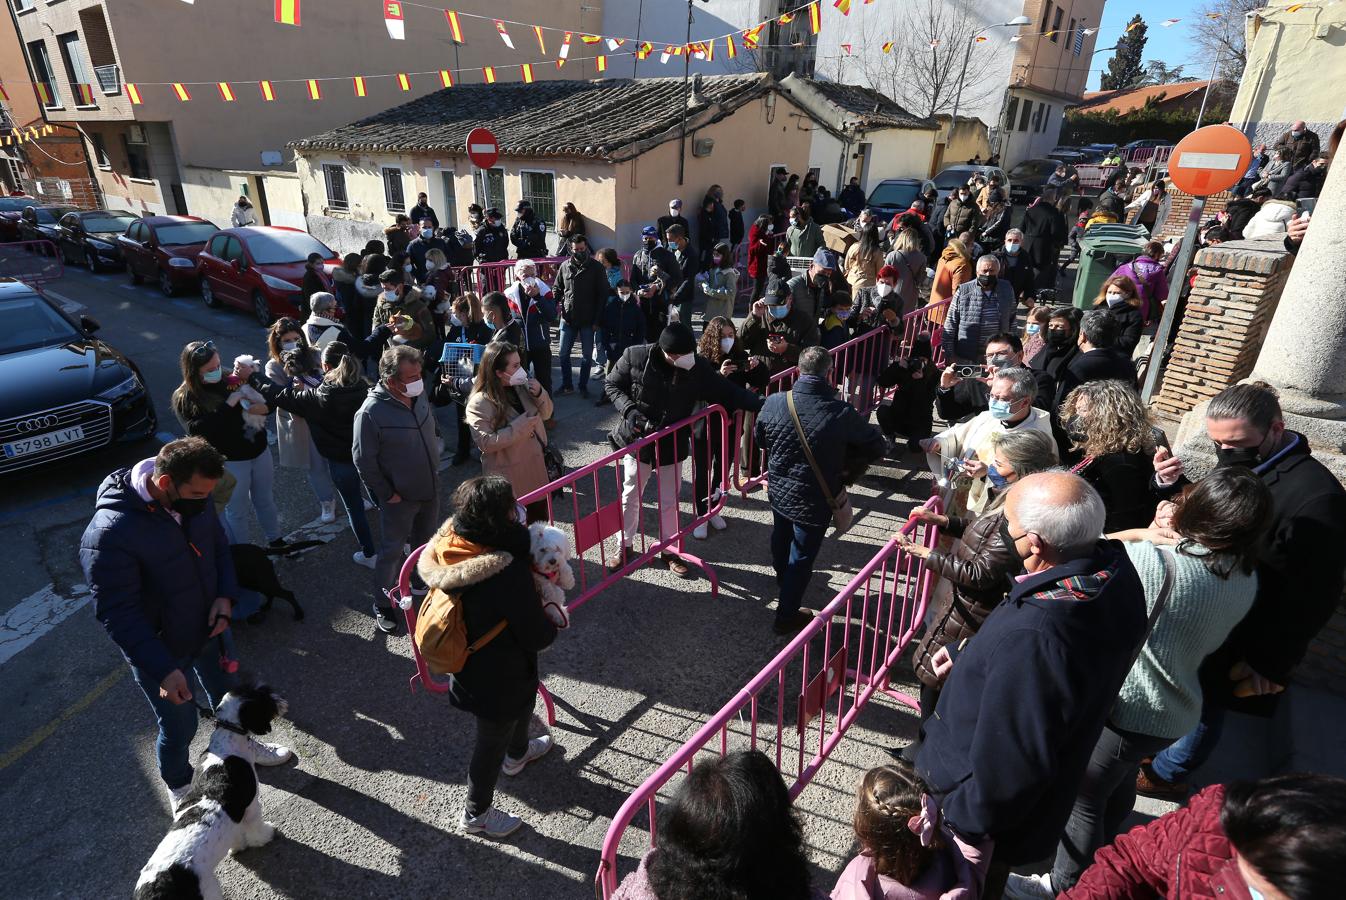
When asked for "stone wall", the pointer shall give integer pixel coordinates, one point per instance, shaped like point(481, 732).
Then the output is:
point(1238, 286)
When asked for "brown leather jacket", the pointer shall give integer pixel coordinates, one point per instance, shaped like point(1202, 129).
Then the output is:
point(979, 567)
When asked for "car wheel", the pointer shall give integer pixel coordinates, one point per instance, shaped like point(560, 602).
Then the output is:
point(261, 308)
point(92, 259)
point(131, 274)
point(166, 286)
point(208, 295)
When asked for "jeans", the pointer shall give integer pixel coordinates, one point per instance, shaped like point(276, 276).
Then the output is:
point(347, 481)
point(1189, 752)
point(1104, 799)
point(462, 447)
point(256, 483)
point(494, 740)
point(405, 522)
point(794, 547)
point(635, 474)
point(319, 478)
point(177, 722)
point(540, 359)
point(586, 335)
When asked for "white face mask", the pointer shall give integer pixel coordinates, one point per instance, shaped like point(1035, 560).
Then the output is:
point(686, 361)
point(1115, 298)
point(1012, 247)
point(390, 296)
point(770, 228)
point(415, 389)
point(519, 377)
point(726, 344)
point(883, 288)
point(624, 297)
point(407, 267)
point(289, 345)
point(455, 321)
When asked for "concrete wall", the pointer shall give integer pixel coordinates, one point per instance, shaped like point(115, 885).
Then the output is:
point(1053, 66)
point(969, 138)
point(1293, 73)
point(1040, 137)
point(145, 196)
point(893, 153)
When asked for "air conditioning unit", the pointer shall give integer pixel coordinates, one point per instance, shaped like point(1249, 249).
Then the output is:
point(703, 146)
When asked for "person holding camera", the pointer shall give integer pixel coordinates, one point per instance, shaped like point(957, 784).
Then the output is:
point(909, 413)
point(965, 390)
point(292, 363)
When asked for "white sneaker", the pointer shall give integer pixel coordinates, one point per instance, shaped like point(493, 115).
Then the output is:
point(175, 798)
point(1030, 887)
point(359, 558)
point(270, 754)
point(699, 532)
point(492, 823)
point(328, 510)
point(538, 746)
point(718, 523)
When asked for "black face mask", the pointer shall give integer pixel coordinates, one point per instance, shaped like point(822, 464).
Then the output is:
point(986, 281)
point(581, 255)
point(188, 508)
point(821, 282)
point(1237, 456)
point(1008, 538)
point(1058, 338)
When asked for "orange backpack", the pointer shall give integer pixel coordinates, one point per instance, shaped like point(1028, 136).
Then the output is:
point(441, 634)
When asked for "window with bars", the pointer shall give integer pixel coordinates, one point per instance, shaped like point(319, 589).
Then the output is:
point(335, 179)
point(539, 189)
point(393, 197)
point(495, 190)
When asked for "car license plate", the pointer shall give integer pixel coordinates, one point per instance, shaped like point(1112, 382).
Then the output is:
point(39, 442)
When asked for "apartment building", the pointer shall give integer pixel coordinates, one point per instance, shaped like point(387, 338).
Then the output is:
point(196, 151)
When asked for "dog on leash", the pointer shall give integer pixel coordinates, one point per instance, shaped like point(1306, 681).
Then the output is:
point(221, 814)
point(551, 570)
point(256, 572)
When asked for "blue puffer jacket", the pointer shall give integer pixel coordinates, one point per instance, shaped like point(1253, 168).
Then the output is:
point(837, 436)
point(154, 580)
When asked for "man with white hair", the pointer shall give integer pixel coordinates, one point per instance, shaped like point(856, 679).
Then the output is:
point(531, 300)
point(1027, 698)
point(1016, 266)
point(979, 309)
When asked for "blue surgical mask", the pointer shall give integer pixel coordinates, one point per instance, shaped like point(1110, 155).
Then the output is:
point(779, 312)
point(214, 376)
point(1000, 409)
point(1033, 328)
point(998, 481)
point(491, 325)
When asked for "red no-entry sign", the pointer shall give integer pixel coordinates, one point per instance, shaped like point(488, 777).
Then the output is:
point(1209, 160)
point(482, 148)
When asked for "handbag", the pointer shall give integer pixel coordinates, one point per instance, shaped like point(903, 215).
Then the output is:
point(842, 511)
point(553, 460)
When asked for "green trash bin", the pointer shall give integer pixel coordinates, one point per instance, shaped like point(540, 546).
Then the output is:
point(1102, 249)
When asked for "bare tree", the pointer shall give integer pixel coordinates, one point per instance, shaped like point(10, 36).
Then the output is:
point(1158, 72)
point(1217, 34)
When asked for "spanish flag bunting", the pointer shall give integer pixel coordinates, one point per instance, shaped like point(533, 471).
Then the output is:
point(4, 95)
point(454, 27)
point(403, 81)
point(504, 35)
point(751, 36)
point(590, 38)
point(1133, 26)
point(1294, 7)
point(85, 94)
point(844, 6)
point(1087, 31)
point(1014, 38)
point(527, 69)
point(887, 46)
point(981, 38)
point(710, 50)
point(565, 46)
point(560, 61)
point(43, 92)
point(394, 19)
point(226, 92)
point(934, 43)
point(847, 48)
point(134, 93)
point(697, 49)
point(489, 74)
point(602, 63)
point(730, 48)
point(668, 52)
point(1214, 15)
point(643, 51)
point(267, 94)
point(359, 82)
point(446, 77)
point(47, 129)
point(614, 43)
point(541, 44)
point(314, 89)
point(181, 90)
point(815, 17)
point(287, 12)
point(786, 18)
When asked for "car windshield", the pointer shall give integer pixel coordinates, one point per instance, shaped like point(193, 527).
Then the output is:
point(951, 178)
point(186, 233)
point(284, 247)
point(29, 322)
point(895, 194)
point(1033, 168)
point(107, 224)
point(15, 204)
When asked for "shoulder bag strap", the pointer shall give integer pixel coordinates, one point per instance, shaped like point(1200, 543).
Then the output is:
point(487, 637)
point(1170, 573)
point(808, 452)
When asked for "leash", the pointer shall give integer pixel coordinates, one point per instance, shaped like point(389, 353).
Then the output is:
point(208, 713)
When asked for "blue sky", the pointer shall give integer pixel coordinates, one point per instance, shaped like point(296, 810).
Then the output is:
point(1169, 44)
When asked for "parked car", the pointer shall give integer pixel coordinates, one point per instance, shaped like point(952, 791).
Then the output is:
point(91, 237)
point(11, 210)
point(1067, 155)
point(165, 248)
point(62, 391)
point(42, 223)
point(259, 268)
point(1144, 143)
point(1030, 177)
point(894, 195)
point(1096, 153)
point(948, 180)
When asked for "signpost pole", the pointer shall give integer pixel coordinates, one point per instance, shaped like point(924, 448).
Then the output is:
point(1175, 280)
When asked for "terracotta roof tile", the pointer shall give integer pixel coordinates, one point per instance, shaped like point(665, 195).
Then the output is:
point(1124, 101)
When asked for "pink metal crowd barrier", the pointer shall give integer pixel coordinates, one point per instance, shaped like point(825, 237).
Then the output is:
point(35, 263)
point(863, 631)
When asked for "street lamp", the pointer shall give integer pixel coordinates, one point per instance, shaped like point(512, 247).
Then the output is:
point(967, 57)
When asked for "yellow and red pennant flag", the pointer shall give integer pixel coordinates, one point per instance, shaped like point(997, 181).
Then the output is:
point(847, 48)
point(85, 94)
point(981, 38)
point(446, 77)
point(786, 18)
point(751, 36)
point(454, 28)
point(267, 94)
point(314, 89)
point(181, 90)
point(359, 82)
point(4, 95)
point(643, 51)
point(887, 46)
point(614, 43)
point(602, 63)
point(504, 35)
point(527, 69)
point(403, 81)
point(1133, 26)
point(226, 92)
point(287, 12)
point(1294, 7)
point(394, 19)
point(489, 74)
point(730, 48)
point(590, 38)
point(565, 46)
point(844, 6)
point(43, 92)
point(133, 92)
point(541, 44)
point(815, 17)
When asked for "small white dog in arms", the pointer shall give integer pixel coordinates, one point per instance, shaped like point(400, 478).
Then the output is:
point(551, 570)
point(221, 814)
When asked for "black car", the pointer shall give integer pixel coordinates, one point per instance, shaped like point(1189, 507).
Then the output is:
point(1029, 177)
point(62, 391)
point(894, 195)
point(42, 223)
point(91, 237)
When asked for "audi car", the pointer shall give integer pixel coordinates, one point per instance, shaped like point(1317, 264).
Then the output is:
point(91, 237)
point(63, 392)
point(260, 268)
point(41, 223)
point(165, 248)
point(11, 209)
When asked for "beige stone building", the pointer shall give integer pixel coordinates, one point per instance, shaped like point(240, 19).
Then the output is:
point(166, 155)
point(611, 147)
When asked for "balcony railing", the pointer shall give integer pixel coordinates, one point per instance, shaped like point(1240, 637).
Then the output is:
point(109, 79)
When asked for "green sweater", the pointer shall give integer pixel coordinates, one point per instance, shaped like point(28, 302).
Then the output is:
point(1161, 696)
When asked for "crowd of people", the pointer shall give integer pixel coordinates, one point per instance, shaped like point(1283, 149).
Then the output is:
point(1083, 576)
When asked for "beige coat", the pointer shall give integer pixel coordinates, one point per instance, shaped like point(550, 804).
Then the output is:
point(514, 450)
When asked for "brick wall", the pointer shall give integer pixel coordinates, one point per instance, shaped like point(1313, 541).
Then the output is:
point(1180, 207)
point(1238, 287)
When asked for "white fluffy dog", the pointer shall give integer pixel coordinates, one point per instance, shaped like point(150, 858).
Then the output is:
point(551, 571)
point(221, 814)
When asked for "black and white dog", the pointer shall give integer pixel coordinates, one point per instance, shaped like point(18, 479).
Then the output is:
point(221, 814)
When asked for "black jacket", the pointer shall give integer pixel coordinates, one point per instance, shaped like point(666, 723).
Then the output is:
point(417, 250)
point(1045, 233)
point(965, 399)
point(581, 290)
point(223, 428)
point(664, 221)
point(1130, 326)
point(1017, 270)
point(685, 292)
point(529, 237)
point(736, 227)
point(800, 331)
point(1240, 213)
point(491, 243)
point(361, 348)
point(649, 394)
point(423, 211)
point(1123, 482)
point(1096, 365)
point(328, 409)
point(838, 437)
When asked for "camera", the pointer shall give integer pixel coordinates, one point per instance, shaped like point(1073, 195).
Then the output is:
point(970, 371)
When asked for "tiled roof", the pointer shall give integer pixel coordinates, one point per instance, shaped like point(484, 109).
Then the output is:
point(870, 108)
point(1125, 101)
point(597, 118)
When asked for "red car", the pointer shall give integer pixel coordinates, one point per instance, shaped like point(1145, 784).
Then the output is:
point(165, 249)
point(260, 268)
point(11, 210)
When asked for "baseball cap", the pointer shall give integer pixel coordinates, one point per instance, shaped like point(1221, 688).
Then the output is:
point(825, 259)
point(649, 231)
point(777, 291)
point(522, 205)
point(675, 203)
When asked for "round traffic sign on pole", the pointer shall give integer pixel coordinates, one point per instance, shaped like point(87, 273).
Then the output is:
point(1210, 160)
point(482, 148)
